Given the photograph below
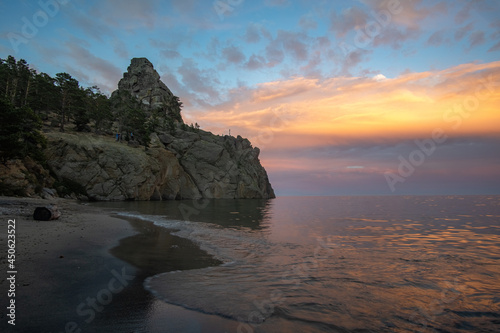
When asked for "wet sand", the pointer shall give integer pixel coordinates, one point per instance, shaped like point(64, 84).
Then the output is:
point(85, 271)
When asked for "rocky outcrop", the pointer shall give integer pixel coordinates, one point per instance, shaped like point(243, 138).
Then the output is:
point(25, 178)
point(108, 170)
point(189, 166)
point(220, 166)
point(143, 82)
point(181, 162)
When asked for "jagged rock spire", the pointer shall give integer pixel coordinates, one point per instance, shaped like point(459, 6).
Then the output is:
point(143, 82)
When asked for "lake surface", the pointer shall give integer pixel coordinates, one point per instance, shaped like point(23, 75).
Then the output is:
point(337, 264)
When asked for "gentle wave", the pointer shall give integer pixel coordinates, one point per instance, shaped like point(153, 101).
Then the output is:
point(371, 274)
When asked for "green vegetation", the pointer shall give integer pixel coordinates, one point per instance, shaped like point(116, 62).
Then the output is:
point(131, 117)
point(21, 87)
point(20, 134)
point(29, 98)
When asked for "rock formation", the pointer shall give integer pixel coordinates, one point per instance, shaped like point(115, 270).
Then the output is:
point(25, 178)
point(143, 82)
point(220, 166)
point(197, 165)
point(181, 163)
point(108, 170)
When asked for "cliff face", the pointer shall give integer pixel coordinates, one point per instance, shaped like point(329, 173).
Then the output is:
point(108, 170)
point(198, 165)
point(221, 167)
point(181, 163)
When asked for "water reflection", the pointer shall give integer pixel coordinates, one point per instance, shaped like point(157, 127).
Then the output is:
point(151, 251)
point(254, 214)
point(380, 264)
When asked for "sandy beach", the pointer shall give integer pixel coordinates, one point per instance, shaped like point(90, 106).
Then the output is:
point(85, 271)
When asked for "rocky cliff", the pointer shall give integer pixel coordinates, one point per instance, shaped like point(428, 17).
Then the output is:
point(189, 166)
point(181, 162)
point(109, 170)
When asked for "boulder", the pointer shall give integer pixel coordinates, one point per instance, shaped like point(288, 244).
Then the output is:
point(47, 213)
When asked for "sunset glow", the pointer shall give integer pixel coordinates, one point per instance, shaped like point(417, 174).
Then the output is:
point(336, 95)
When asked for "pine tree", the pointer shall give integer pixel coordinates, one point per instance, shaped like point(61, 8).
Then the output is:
point(130, 116)
point(20, 134)
point(99, 109)
point(68, 90)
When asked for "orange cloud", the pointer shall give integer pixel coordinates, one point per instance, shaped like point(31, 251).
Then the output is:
point(462, 100)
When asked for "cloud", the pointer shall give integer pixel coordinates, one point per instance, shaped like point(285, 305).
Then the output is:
point(472, 7)
point(274, 54)
point(495, 47)
point(276, 3)
point(252, 34)
point(379, 77)
point(233, 55)
point(462, 32)
point(436, 39)
point(255, 62)
point(90, 68)
point(395, 38)
point(292, 44)
point(170, 54)
point(255, 31)
point(378, 23)
point(308, 22)
point(349, 19)
point(477, 38)
point(120, 49)
point(185, 6)
point(126, 14)
point(350, 108)
point(464, 14)
point(203, 82)
point(168, 49)
point(89, 25)
point(352, 60)
point(495, 36)
point(415, 13)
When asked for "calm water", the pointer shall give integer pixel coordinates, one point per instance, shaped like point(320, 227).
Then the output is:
point(338, 264)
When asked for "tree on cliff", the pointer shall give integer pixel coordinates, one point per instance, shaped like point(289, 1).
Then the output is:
point(16, 80)
point(22, 86)
point(44, 96)
point(70, 96)
point(20, 134)
point(99, 109)
point(130, 116)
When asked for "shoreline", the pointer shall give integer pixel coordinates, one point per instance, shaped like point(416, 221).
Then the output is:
point(85, 271)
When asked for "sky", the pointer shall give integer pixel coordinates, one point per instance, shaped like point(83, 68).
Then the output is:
point(361, 97)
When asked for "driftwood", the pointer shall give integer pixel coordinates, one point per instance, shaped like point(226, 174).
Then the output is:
point(46, 213)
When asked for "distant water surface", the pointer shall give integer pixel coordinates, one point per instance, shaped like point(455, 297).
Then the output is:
point(337, 264)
